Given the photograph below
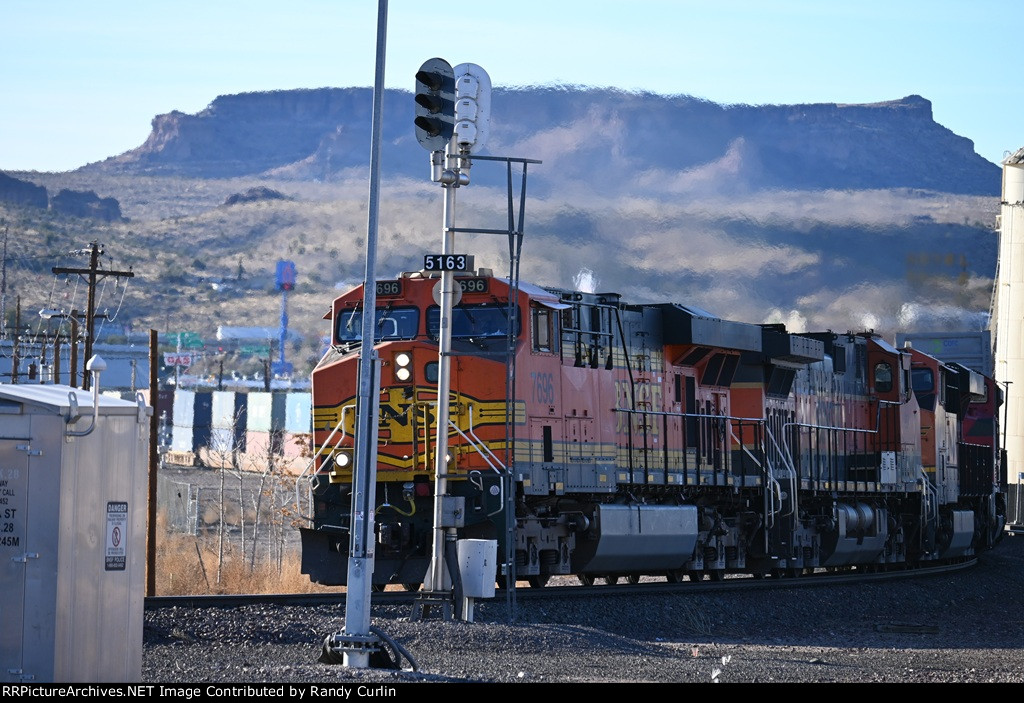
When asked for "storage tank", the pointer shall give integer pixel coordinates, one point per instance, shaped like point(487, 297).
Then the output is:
point(1009, 327)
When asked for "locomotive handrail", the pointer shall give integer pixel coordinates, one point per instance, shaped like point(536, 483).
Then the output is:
point(774, 488)
point(313, 480)
point(776, 485)
point(836, 428)
point(479, 445)
point(929, 497)
point(773, 485)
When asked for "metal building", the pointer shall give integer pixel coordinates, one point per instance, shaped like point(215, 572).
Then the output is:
point(1008, 311)
point(73, 491)
point(972, 349)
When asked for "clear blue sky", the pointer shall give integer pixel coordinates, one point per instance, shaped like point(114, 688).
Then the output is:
point(81, 80)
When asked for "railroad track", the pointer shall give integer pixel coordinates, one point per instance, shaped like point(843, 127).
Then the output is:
point(569, 590)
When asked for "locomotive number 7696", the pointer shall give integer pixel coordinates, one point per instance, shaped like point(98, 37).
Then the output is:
point(543, 387)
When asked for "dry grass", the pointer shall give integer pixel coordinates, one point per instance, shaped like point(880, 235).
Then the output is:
point(190, 565)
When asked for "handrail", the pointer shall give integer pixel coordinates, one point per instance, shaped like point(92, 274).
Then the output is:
point(929, 497)
point(481, 442)
point(479, 445)
point(314, 479)
point(771, 483)
point(929, 501)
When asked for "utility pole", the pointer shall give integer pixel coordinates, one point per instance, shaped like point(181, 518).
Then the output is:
point(17, 333)
point(3, 288)
point(93, 273)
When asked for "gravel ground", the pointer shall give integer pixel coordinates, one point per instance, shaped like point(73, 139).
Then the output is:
point(967, 627)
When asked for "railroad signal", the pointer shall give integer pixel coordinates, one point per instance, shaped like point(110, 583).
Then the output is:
point(472, 106)
point(435, 104)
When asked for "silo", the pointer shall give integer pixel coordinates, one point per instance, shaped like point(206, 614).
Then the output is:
point(1008, 320)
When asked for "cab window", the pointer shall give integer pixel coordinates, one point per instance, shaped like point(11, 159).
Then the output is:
point(487, 320)
point(923, 380)
point(545, 335)
point(390, 323)
point(883, 377)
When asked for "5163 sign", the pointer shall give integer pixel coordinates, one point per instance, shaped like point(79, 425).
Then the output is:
point(448, 262)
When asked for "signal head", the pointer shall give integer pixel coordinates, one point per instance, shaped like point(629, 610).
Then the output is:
point(435, 104)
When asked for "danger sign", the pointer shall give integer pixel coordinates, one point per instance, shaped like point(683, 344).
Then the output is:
point(117, 529)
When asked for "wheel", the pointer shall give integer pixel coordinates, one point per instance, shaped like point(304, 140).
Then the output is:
point(411, 587)
point(378, 587)
point(675, 576)
point(717, 575)
point(501, 581)
point(695, 575)
point(587, 579)
point(538, 581)
point(611, 580)
point(633, 579)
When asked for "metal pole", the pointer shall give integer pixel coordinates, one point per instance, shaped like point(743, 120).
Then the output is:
point(17, 334)
point(437, 571)
point(1006, 411)
point(90, 315)
point(154, 438)
point(284, 328)
point(73, 371)
point(3, 288)
point(364, 478)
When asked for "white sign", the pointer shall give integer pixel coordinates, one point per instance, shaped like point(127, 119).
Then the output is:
point(177, 359)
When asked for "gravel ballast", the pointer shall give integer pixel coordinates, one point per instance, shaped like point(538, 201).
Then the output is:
point(965, 627)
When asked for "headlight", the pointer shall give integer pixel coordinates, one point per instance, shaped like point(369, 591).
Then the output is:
point(403, 367)
point(341, 460)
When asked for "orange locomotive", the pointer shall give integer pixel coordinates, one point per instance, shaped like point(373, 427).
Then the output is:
point(594, 437)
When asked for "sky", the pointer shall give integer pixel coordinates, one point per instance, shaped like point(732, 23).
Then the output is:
point(82, 80)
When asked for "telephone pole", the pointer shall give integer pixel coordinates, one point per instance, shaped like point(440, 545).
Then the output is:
point(3, 288)
point(93, 273)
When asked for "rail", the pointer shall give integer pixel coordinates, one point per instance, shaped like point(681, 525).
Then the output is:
point(772, 483)
point(709, 426)
point(313, 481)
point(814, 471)
point(488, 456)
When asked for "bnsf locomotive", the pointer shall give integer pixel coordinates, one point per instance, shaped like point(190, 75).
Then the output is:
point(595, 437)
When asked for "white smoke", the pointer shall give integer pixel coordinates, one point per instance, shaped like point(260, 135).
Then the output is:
point(584, 281)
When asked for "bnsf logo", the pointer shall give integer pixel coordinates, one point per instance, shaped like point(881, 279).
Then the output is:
point(401, 418)
point(648, 395)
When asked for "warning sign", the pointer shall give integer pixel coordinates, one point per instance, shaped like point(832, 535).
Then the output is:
point(117, 536)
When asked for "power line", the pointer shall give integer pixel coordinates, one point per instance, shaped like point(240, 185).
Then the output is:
point(93, 272)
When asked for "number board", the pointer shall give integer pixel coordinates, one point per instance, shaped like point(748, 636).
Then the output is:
point(389, 289)
point(473, 285)
point(448, 262)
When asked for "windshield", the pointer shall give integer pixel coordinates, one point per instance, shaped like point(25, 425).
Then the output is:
point(391, 323)
point(472, 321)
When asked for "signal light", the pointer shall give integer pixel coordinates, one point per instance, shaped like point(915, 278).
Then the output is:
point(472, 107)
point(435, 104)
